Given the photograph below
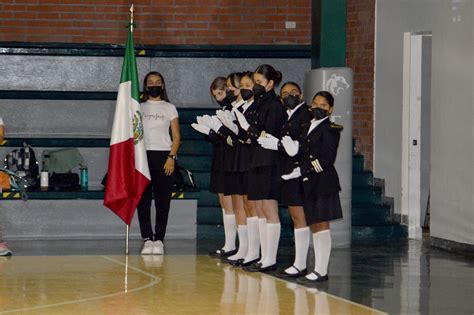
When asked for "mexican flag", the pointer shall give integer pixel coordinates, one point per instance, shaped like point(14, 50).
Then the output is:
point(128, 174)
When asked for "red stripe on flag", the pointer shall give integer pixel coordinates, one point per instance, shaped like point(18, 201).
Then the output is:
point(125, 185)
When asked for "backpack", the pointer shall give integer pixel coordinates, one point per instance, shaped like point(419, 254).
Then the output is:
point(22, 162)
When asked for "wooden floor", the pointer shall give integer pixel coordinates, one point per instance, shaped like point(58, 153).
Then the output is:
point(153, 285)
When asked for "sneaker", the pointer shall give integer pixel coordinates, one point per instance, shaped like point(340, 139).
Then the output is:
point(147, 248)
point(4, 251)
point(158, 248)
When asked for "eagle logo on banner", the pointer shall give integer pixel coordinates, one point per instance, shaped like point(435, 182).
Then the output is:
point(137, 127)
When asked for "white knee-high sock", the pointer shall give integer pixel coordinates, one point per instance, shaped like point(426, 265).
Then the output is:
point(311, 275)
point(273, 239)
point(243, 243)
point(323, 251)
point(301, 247)
point(230, 231)
point(262, 231)
point(254, 239)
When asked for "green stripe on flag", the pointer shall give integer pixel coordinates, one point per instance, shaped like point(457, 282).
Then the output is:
point(129, 67)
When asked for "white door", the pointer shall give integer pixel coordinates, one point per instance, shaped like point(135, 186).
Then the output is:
point(415, 130)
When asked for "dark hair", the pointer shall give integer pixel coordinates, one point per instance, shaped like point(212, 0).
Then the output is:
point(219, 83)
point(270, 73)
point(145, 96)
point(235, 79)
point(248, 74)
point(327, 96)
point(291, 83)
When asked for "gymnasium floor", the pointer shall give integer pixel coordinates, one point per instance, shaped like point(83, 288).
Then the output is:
point(94, 277)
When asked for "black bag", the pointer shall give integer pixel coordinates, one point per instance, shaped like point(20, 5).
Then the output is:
point(65, 181)
point(183, 179)
point(23, 163)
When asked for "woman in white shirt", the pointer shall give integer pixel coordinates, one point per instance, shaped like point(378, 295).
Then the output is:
point(159, 116)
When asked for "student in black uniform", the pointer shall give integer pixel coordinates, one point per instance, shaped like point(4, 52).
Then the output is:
point(241, 142)
point(267, 117)
point(298, 118)
point(235, 175)
point(220, 93)
point(318, 150)
point(159, 117)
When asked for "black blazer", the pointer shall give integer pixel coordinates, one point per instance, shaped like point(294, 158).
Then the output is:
point(320, 146)
point(293, 127)
point(267, 116)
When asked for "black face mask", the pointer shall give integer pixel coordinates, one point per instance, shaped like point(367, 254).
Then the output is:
point(258, 89)
point(224, 102)
point(230, 96)
point(319, 113)
point(291, 101)
point(155, 90)
point(246, 94)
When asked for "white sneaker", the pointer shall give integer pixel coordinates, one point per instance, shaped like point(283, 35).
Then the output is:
point(147, 248)
point(4, 251)
point(158, 248)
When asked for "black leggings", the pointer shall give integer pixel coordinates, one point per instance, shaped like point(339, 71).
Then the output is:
point(161, 186)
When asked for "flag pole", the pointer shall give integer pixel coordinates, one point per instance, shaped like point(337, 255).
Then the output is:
point(126, 240)
point(128, 226)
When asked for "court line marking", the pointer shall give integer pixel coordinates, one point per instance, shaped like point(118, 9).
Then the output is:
point(308, 289)
point(154, 282)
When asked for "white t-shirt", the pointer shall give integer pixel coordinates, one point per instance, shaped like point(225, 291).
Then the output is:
point(157, 117)
point(1, 121)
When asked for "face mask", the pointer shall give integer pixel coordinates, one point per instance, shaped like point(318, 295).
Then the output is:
point(258, 89)
point(246, 94)
point(224, 102)
point(155, 90)
point(291, 101)
point(230, 96)
point(319, 113)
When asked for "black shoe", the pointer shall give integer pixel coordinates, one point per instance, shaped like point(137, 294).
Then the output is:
point(248, 263)
point(282, 274)
point(268, 268)
point(230, 261)
point(255, 267)
point(222, 253)
point(308, 282)
point(236, 263)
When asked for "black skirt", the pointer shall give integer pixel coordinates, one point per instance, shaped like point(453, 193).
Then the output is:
point(323, 208)
point(264, 183)
point(235, 183)
point(217, 182)
point(291, 193)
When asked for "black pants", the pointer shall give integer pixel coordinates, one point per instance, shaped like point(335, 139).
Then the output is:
point(161, 186)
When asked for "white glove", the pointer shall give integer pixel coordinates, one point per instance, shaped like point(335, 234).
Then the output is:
point(268, 142)
point(205, 120)
point(241, 119)
point(221, 115)
point(291, 146)
point(199, 120)
point(215, 123)
point(224, 118)
point(219, 112)
point(201, 128)
point(230, 115)
point(294, 174)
